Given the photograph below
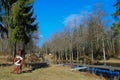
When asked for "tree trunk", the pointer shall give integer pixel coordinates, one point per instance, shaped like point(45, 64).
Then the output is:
point(23, 48)
point(54, 57)
point(92, 53)
point(72, 57)
point(66, 58)
point(77, 56)
point(113, 46)
point(84, 60)
point(14, 51)
point(58, 57)
point(104, 55)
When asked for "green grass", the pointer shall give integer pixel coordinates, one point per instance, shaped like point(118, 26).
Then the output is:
point(54, 72)
point(111, 60)
point(50, 73)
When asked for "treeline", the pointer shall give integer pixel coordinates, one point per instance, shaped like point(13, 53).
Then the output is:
point(18, 26)
point(87, 42)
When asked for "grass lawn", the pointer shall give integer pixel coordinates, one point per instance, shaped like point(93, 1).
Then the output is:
point(111, 60)
point(53, 72)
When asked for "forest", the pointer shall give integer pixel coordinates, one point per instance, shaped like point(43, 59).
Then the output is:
point(91, 40)
point(18, 27)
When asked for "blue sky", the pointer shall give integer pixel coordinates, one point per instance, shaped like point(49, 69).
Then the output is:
point(52, 15)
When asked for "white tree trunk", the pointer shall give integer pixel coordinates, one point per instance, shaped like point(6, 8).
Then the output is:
point(104, 56)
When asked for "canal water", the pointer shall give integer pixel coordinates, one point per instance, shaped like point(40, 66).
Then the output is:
point(110, 71)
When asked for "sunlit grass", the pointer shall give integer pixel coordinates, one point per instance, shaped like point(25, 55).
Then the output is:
point(50, 73)
point(53, 72)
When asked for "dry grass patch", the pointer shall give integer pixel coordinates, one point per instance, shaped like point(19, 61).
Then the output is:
point(51, 73)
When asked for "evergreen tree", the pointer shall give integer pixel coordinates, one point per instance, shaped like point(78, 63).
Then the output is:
point(116, 26)
point(24, 22)
point(7, 4)
point(7, 19)
point(117, 12)
point(3, 29)
point(5, 8)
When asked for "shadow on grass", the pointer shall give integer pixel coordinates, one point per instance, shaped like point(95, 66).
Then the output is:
point(35, 66)
point(27, 71)
point(5, 64)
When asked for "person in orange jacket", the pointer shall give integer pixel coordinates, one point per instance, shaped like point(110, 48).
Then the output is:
point(18, 62)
